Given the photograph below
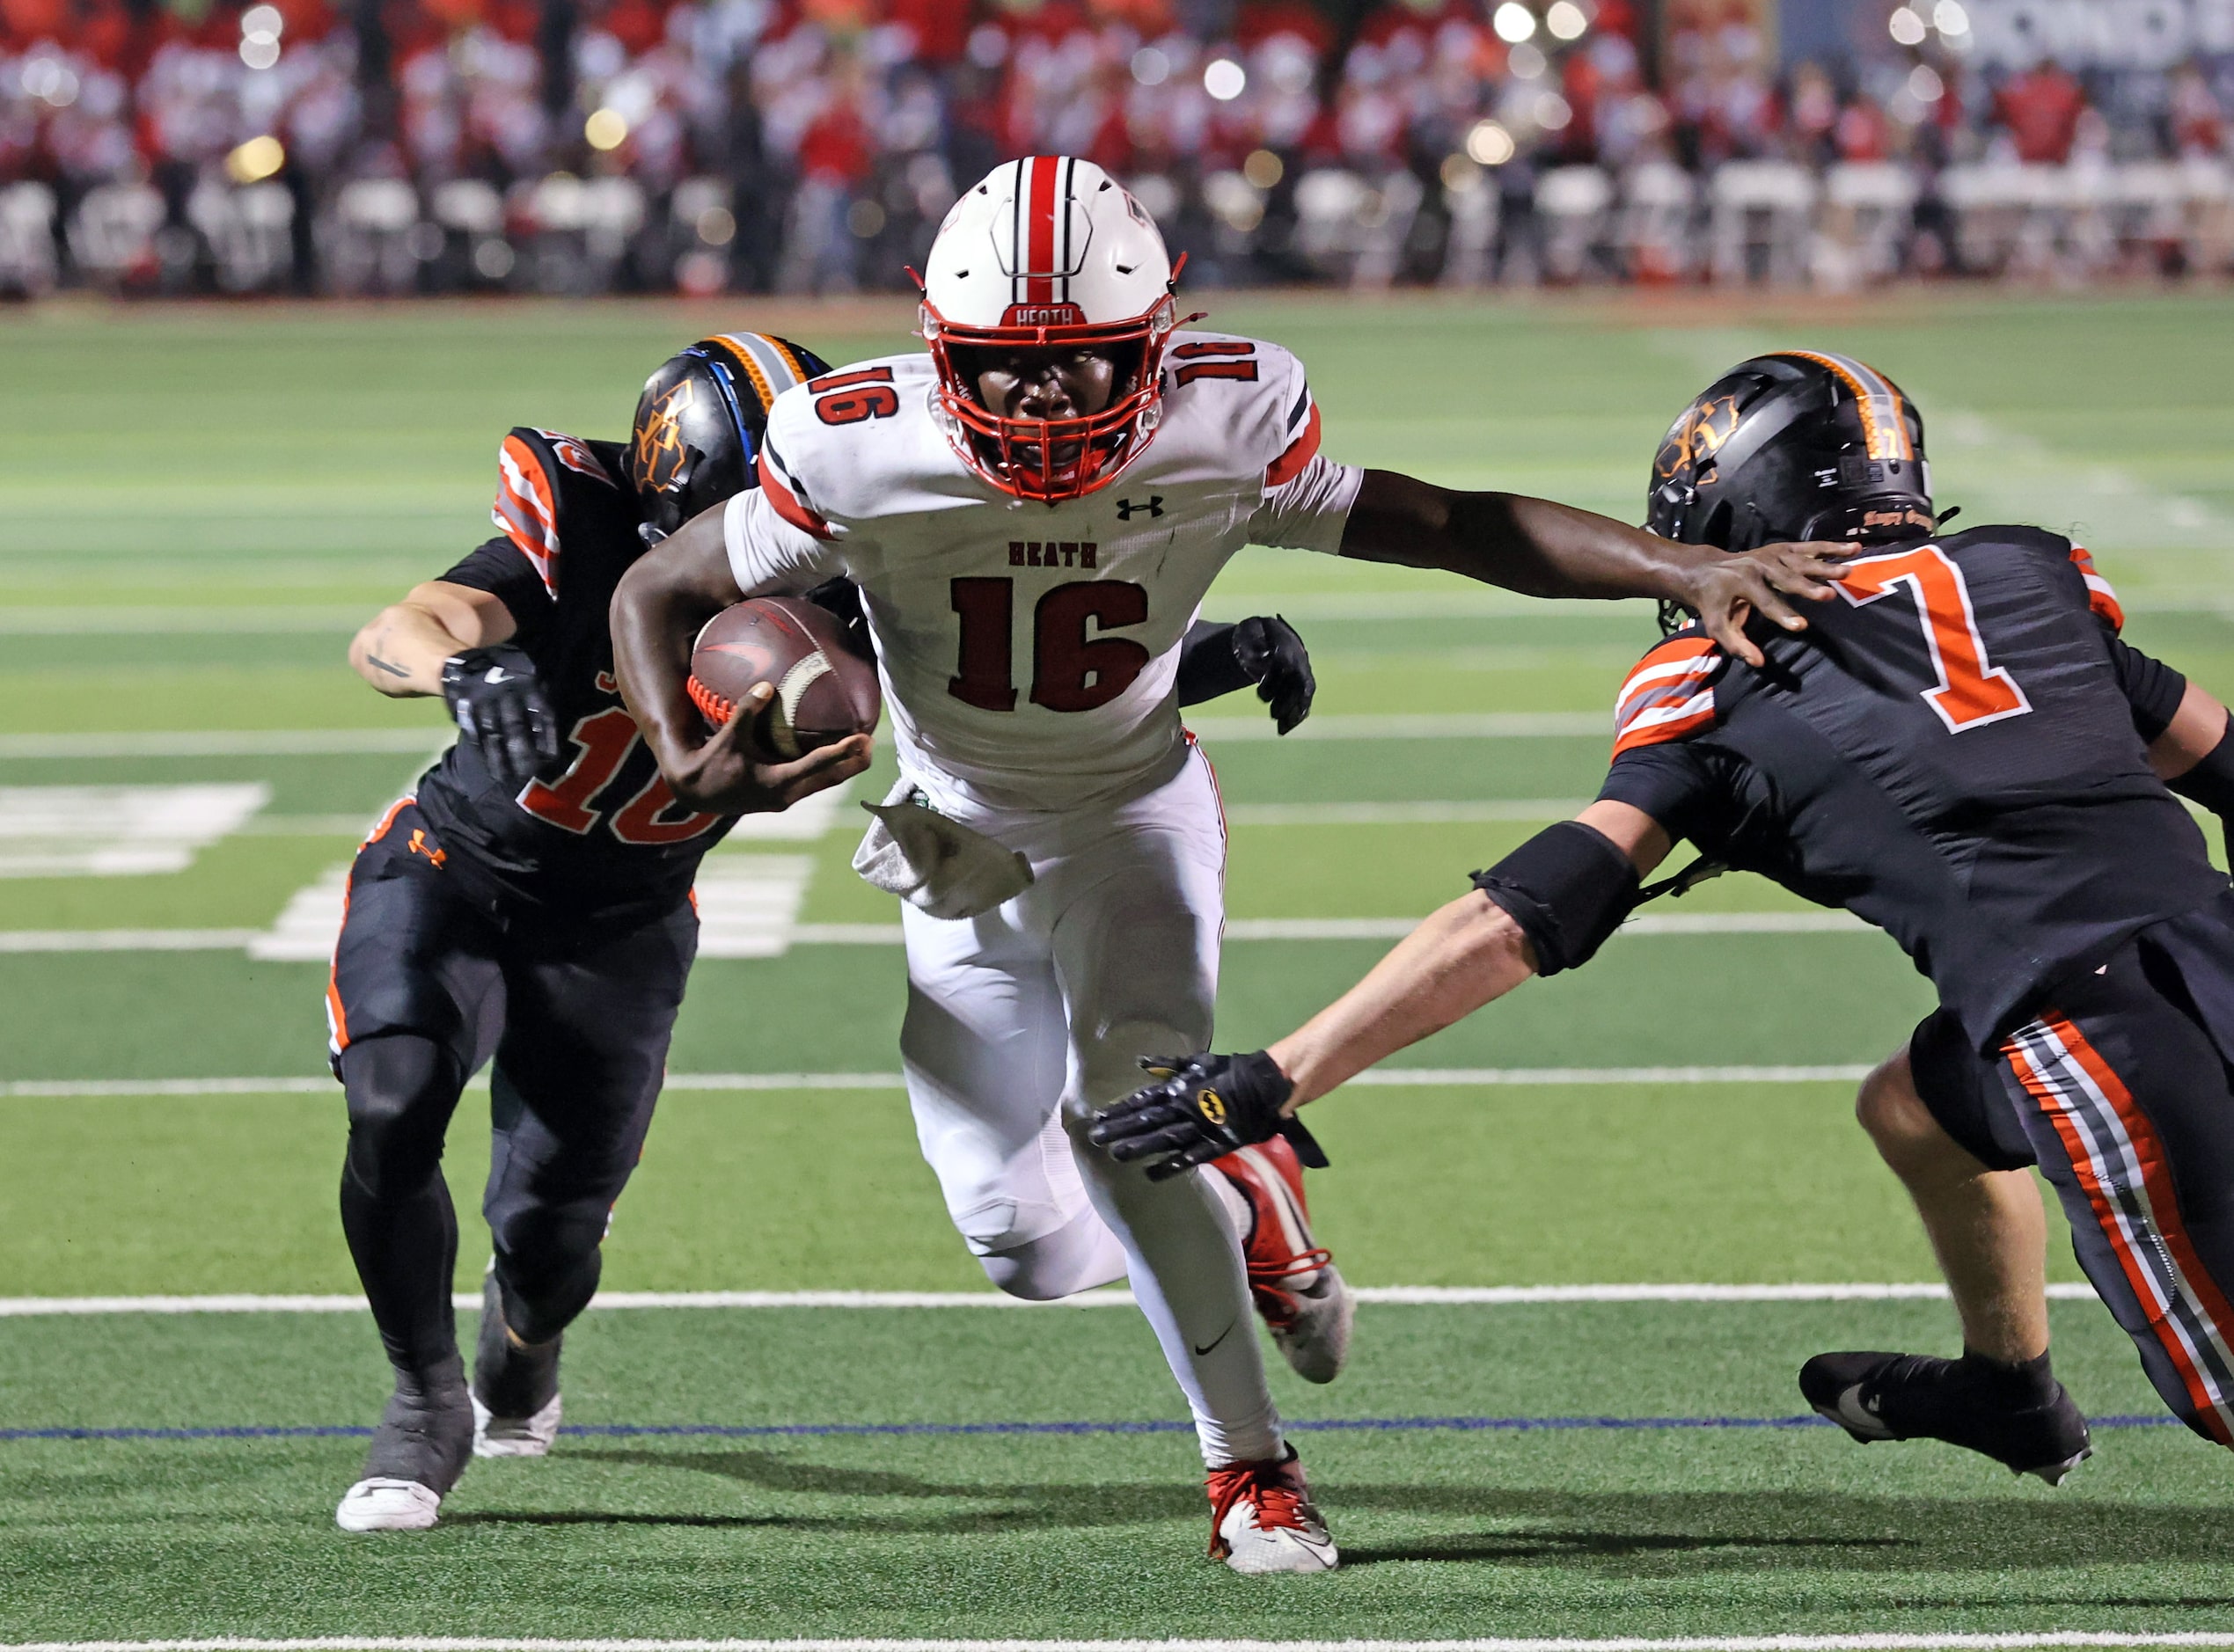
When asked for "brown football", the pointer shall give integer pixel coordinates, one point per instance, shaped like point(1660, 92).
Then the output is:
point(825, 691)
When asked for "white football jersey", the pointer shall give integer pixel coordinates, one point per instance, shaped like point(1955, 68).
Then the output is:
point(1030, 652)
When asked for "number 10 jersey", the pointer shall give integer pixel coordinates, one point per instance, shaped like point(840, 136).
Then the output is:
point(1030, 652)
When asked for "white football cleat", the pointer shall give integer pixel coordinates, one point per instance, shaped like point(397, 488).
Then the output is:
point(1262, 1519)
point(388, 1505)
point(515, 1437)
point(1297, 1290)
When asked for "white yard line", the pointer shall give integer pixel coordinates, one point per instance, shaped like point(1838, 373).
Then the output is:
point(1415, 726)
point(82, 831)
point(2018, 1642)
point(746, 904)
point(151, 621)
point(1399, 1296)
point(241, 743)
point(1384, 1078)
point(1426, 814)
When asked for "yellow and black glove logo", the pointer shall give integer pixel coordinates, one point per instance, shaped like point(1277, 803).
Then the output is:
point(1210, 1105)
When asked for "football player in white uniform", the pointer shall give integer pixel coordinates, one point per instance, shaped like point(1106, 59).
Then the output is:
point(1033, 511)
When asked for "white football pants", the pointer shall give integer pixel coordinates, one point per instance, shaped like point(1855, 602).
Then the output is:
point(1021, 1021)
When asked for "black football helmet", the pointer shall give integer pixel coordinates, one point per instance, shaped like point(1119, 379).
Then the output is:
point(1797, 445)
point(700, 419)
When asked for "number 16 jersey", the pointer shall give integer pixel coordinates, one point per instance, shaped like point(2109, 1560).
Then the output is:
point(1029, 652)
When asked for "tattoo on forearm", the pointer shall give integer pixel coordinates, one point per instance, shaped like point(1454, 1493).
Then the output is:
point(388, 666)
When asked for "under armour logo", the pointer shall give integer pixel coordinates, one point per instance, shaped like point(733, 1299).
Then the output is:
point(1155, 508)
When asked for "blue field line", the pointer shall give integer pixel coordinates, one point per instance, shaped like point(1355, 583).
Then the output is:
point(783, 1430)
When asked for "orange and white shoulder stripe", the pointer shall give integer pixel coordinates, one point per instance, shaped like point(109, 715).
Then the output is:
point(1668, 694)
point(2122, 1168)
point(2099, 596)
point(526, 508)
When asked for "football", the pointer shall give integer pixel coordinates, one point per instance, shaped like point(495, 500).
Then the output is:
point(825, 691)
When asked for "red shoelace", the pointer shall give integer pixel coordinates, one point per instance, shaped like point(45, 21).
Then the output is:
point(1278, 1500)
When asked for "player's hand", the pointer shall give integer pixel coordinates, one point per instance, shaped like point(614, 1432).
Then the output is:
point(723, 777)
point(1203, 1107)
point(1271, 653)
point(498, 703)
point(1729, 590)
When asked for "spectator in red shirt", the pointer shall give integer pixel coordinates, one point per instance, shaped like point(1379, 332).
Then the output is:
point(2040, 110)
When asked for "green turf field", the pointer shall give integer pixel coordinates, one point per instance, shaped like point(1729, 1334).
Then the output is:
point(196, 508)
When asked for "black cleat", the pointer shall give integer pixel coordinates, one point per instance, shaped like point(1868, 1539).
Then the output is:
point(515, 1386)
point(424, 1441)
point(2027, 1423)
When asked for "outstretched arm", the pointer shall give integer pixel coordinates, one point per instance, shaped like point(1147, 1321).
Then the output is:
point(1470, 952)
point(658, 609)
point(1564, 891)
point(1542, 549)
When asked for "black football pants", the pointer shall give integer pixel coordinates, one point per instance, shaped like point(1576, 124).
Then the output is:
point(425, 984)
point(2126, 1088)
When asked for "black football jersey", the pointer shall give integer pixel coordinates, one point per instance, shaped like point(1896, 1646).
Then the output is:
point(1950, 751)
point(597, 833)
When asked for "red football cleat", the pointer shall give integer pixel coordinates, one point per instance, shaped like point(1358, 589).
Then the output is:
point(1297, 1290)
point(1262, 1519)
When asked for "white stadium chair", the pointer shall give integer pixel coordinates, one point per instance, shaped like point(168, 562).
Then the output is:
point(368, 238)
point(26, 240)
point(1763, 217)
point(114, 230)
point(1869, 208)
point(248, 232)
point(1575, 205)
point(1473, 209)
point(1659, 232)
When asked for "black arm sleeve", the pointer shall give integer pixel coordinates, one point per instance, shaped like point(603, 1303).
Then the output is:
point(2152, 688)
point(498, 568)
point(2211, 781)
point(1208, 666)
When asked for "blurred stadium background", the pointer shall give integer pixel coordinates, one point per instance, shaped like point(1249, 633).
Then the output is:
point(703, 146)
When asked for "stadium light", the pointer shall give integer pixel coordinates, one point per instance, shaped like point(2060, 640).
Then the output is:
point(1514, 22)
point(262, 23)
point(1527, 62)
point(1924, 84)
point(1224, 79)
point(1490, 144)
point(1566, 20)
point(717, 226)
point(1264, 169)
point(1150, 67)
point(256, 160)
point(51, 80)
point(1905, 26)
point(1949, 18)
point(605, 128)
point(1554, 112)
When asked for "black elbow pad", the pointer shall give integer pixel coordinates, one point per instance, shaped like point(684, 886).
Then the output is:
point(1568, 888)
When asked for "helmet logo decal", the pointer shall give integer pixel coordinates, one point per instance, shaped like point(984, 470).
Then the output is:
point(1885, 428)
point(1698, 437)
point(659, 439)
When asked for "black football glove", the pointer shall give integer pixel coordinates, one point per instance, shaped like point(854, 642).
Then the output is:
point(1273, 655)
point(499, 706)
point(1205, 1108)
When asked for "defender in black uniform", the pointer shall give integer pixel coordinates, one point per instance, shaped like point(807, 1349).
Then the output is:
point(1948, 752)
point(531, 900)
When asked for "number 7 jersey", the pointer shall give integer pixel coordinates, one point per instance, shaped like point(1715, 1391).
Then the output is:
point(1029, 652)
point(1946, 751)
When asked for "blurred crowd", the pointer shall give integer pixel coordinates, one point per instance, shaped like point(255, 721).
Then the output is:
point(814, 145)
